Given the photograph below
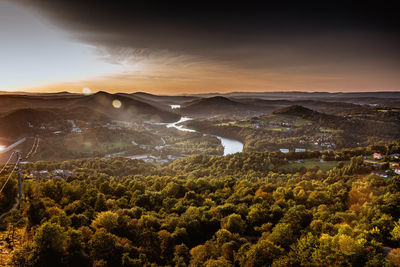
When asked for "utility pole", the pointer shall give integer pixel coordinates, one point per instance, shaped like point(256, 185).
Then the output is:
point(19, 175)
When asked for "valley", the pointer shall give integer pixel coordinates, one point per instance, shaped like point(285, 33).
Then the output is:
point(195, 180)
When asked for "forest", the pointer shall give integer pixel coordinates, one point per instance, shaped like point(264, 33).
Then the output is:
point(297, 126)
point(236, 210)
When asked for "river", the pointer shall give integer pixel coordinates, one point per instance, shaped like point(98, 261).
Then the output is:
point(230, 146)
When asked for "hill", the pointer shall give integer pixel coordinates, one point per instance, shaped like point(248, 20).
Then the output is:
point(100, 102)
point(317, 105)
point(312, 115)
point(218, 105)
point(130, 109)
point(296, 110)
point(165, 99)
point(25, 121)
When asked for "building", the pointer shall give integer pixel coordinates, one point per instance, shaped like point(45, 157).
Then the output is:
point(395, 156)
point(40, 174)
point(397, 171)
point(137, 157)
point(300, 150)
point(63, 173)
point(378, 156)
point(284, 150)
point(76, 130)
point(381, 174)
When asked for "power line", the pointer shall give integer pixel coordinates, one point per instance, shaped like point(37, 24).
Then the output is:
point(32, 151)
point(37, 146)
point(9, 176)
point(33, 148)
point(8, 161)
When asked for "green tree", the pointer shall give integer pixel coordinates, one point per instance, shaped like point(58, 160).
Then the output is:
point(262, 254)
point(49, 244)
point(234, 223)
point(282, 235)
point(102, 247)
point(107, 220)
point(100, 204)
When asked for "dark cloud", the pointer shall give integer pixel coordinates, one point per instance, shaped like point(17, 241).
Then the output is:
point(245, 34)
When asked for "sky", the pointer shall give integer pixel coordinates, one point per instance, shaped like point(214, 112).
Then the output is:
point(197, 47)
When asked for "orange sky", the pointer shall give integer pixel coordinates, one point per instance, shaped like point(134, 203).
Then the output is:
point(220, 78)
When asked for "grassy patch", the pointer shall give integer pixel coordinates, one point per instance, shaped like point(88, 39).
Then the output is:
point(309, 163)
point(301, 122)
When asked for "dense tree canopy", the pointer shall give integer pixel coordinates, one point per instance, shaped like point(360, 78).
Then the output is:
point(236, 210)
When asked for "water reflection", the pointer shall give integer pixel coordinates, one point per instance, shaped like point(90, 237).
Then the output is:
point(230, 146)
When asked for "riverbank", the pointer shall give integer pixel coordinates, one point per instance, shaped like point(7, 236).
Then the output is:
point(230, 146)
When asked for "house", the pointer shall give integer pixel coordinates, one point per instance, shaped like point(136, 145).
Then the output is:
point(394, 164)
point(397, 171)
point(76, 130)
point(395, 156)
point(381, 174)
point(40, 174)
point(378, 156)
point(114, 155)
point(137, 157)
point(63, 173)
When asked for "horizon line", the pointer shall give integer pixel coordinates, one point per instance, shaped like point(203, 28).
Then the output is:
point(188, 94)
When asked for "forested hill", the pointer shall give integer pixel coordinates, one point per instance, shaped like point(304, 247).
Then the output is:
point(102, 102)
point(197, 212)
point(129, 110)
point(216, 105)
point(305, 113)
point(28, 121)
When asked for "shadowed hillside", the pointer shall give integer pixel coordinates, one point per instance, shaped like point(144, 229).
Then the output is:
point(130, 109)
point(217, 105)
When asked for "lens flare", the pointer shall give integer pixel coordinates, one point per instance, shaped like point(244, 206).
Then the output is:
point(86, 91)
point(116, 103)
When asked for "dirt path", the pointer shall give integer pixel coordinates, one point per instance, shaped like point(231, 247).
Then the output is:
point(13, 208)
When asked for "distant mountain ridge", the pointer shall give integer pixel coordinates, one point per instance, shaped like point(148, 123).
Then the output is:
point(215, 105)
